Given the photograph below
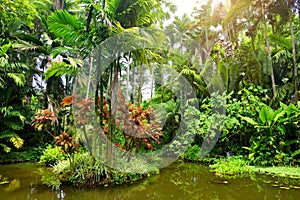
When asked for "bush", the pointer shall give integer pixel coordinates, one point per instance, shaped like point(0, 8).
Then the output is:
point(231, 167)
point(86, 170)
point(192, 154)
point(51, 155)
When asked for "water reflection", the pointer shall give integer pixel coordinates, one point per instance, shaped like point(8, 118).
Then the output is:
point(177, 181)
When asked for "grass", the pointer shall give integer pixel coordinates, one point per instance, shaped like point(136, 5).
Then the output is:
point(234, 167)
point(282, 171)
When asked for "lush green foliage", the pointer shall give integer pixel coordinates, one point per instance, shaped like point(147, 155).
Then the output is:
point(231, 167)
point(86, 170)
point(51, 155)
point(240, 60)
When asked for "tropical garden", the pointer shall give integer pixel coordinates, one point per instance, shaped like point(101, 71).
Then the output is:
point(103, 93)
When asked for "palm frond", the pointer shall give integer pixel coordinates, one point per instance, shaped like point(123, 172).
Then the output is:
point(236, 9)
point(61, 69)
point(67, 27)
point(282, 41)
point(26, 46)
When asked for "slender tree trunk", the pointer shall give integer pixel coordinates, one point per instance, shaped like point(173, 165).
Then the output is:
point(140, 86)
point(269, 50)
point(162, 72)
point(58, 4)
point(252, 42)
point(89, 77)
point(127, 81)
point(152, 85)
point(133, 83)
point(294, 60)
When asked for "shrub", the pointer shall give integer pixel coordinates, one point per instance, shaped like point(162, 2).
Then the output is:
point(51, 155)
point(231, 167)
point(192, 154)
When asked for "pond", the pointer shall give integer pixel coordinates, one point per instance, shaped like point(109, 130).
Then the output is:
point(177, 181)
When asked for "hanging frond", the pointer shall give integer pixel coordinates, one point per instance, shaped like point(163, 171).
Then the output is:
point(281, 54)
point(26, 46)
point(13, 124)
point(5, 148)
point(7, 134)
point(18, 78)
point(4, 49)
point(10, 112)
point(17, 141)
point(236, 9)
point(13, 138)
point(67, 27)
point(282, 41)
point(61, 69)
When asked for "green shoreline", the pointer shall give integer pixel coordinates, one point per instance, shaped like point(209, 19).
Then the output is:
point(281, 171)
point(235, 167)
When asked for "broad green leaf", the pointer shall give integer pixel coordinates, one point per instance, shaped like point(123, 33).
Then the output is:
point(249, 120)
point(279, 114)
point(295, 153)
point(266, 114)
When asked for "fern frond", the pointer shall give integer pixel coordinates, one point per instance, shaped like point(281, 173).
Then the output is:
point(5, 148)
point(13, 125)
point(18, 78)
point(281, 54)
point(7, 134)
point(4, 49)
point(17, 141)
point(9, 112)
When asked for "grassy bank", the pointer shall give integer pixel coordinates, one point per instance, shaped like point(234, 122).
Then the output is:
point(234, 167)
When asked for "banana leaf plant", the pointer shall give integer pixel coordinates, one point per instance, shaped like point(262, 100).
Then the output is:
point(272, 131)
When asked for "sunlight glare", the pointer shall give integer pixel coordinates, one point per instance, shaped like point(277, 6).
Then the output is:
point(186, 6)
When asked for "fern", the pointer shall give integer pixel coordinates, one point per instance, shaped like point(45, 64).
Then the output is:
point(18, 78)
point(17, 141)
point(4, 49)
point(7, 134)
point(13, 124)
point(11, 121)
point(5, 148)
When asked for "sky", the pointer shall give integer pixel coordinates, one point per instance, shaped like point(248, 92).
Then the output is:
point(186, 6)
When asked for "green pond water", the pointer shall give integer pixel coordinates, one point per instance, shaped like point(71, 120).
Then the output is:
point(177, 181)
